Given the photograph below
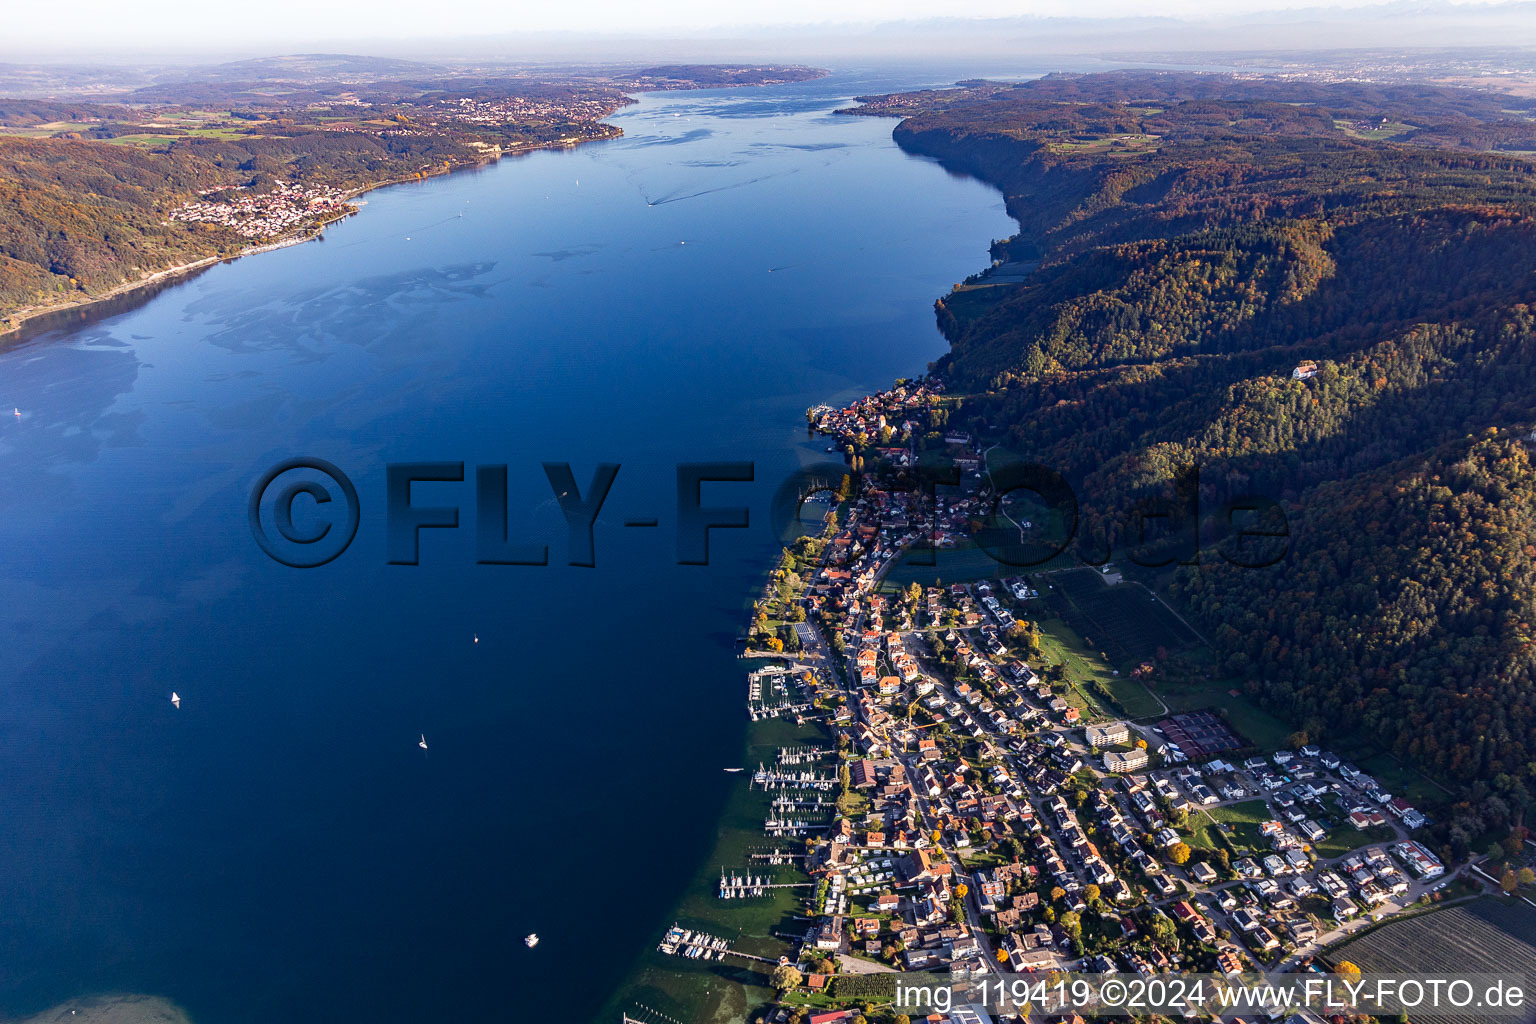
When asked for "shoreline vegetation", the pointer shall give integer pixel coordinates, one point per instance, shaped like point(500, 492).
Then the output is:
point(18, 319)
point(172, 179)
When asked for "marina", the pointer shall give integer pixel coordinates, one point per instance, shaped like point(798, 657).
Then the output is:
point(746, 886)
point(699, 945)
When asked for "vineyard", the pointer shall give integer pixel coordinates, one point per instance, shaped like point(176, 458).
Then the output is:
point(1490, 935)
point(1124, 621)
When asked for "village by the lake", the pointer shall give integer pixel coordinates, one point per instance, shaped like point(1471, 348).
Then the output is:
point(964, 784)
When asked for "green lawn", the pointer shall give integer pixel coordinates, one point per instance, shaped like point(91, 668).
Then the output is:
point(1085, 667)
point(1242, 821)
point(963, 564)
point(972, 859)
point(854, 805)
point(1345, 838)
point(1202, 833)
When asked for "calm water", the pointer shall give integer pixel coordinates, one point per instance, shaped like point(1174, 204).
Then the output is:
point(280, 848)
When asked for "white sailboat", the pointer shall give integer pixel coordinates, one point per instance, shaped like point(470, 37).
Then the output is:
point(175, 699)
point(531, 940)
point(423, 743)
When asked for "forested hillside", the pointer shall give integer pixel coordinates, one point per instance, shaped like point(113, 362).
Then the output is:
point(81, 217)
point(90, 194)
point(98, 194)
point(1187, 242)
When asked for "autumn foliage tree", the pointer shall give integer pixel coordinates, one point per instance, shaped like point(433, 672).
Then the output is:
point(786, 977)
point(1182, 279)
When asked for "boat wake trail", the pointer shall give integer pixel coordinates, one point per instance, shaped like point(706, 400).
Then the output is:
point(675, 197)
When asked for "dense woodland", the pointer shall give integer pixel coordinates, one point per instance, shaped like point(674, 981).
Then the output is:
point(82, 216)
point(1197, 238)
point(86, 211)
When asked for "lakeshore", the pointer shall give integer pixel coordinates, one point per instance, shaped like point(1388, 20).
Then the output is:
point(947, 779)
point(961, 769)
point(252, 830)
point(179, 186)
point(18, 319)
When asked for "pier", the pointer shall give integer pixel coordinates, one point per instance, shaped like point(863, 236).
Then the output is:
point(769, 694)
point(776, 779)
point(791, 827)
point(801, 755)
point(740, 887)
point(777, 856)
point(680, 941)
point(648, 1016)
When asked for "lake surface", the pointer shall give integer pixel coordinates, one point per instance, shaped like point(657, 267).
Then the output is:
point(280, 848)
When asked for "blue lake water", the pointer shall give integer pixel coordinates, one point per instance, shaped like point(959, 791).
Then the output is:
point(279, 848)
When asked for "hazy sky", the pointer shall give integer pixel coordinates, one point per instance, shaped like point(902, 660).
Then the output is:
point(174, 24)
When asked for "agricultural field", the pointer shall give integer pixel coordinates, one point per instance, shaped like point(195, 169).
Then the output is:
point(1095, 687)
point(1490, 935)
point(45, 130)
point(140, 139)
point(1109, 144)
point(1373, 132)
point(1124, 620)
